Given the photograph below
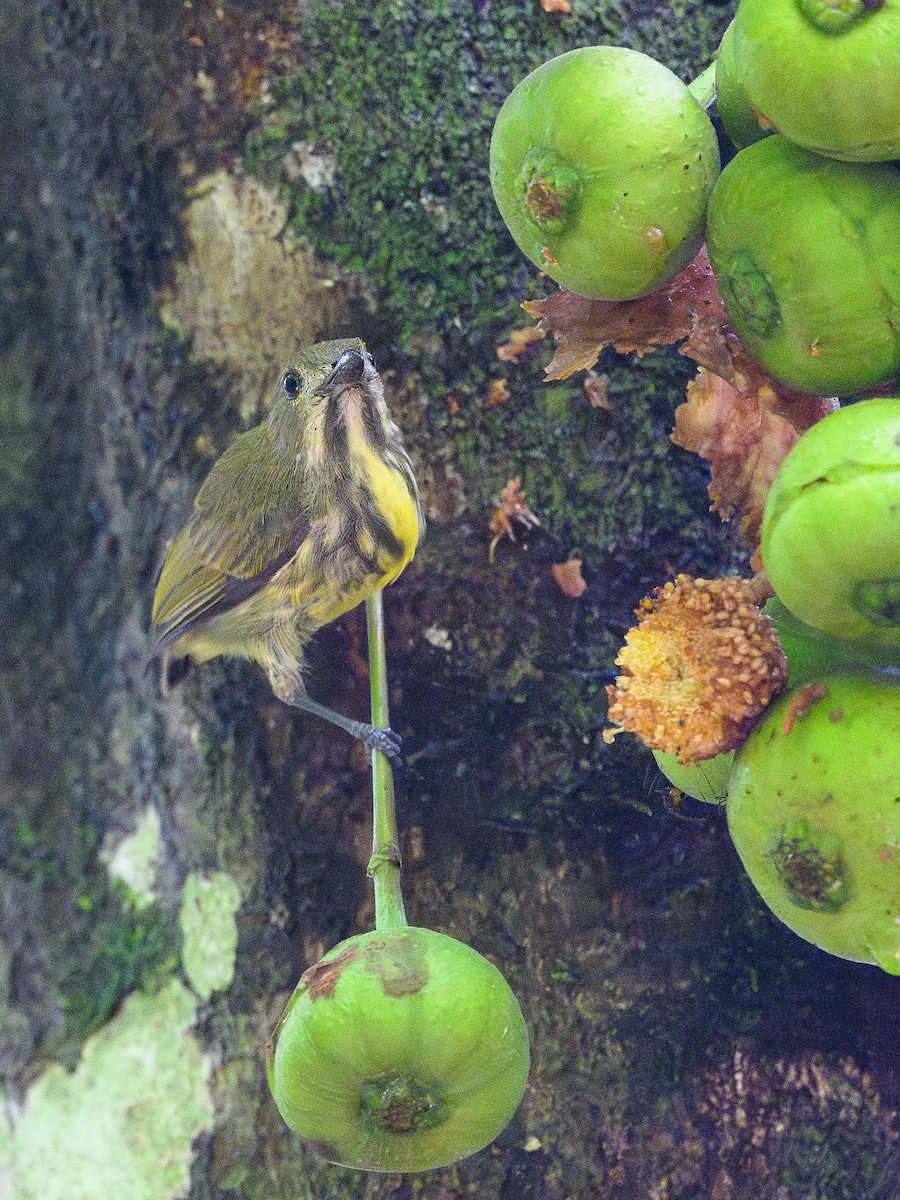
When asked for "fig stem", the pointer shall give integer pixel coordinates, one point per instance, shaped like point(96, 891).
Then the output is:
point(703, 88)
point(384, 865)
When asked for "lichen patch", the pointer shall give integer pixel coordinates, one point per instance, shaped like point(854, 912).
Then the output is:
point(124, 1122)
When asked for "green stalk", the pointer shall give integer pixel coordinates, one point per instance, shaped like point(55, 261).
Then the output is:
point(384, 865)
point(703, 88)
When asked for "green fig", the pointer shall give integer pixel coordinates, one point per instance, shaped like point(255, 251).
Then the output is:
point(814, 813)
point(602, 162)
point(706, 779)
point(824, 72)
point(831, 525)
point(738, 115)
point(812, 653)
point(400, 1050)
point(806, 253)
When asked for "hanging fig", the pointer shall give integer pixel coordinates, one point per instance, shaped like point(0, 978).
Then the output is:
point(806, 253)
point(831, 525)
point(824, 72)
point(706, 779)
point(400, 1050)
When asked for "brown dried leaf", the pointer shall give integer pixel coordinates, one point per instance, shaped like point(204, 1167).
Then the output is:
point(520, 340)
point(511, 507)
point(744, 435)
point(569, 578)
point(687, 308)
point(556, 6)
point(596, 387)
point(498, 394)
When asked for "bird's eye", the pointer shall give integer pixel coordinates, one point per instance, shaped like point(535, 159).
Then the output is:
point(291, 385)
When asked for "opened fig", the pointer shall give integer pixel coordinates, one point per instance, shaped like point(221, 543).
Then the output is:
point(401, 1050)
point(601, 163)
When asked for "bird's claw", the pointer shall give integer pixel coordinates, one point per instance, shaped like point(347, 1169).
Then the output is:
point(388, 743)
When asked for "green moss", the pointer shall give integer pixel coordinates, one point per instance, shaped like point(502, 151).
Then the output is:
point(401, 99)
point(16, 426)
point(109, 949)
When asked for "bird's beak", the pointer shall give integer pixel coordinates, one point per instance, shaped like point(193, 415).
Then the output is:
point(348, 371)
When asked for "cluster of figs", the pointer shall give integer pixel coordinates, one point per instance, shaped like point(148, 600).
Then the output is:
point(812, 798)
point(404, 1049)
point(606, 170)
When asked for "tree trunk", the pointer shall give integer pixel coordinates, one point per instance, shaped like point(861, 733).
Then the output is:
point(172, 863)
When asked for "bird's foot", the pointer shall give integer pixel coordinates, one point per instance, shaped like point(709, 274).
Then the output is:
point(387, 742)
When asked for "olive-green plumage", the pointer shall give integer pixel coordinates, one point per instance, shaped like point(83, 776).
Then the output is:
point(301, 519)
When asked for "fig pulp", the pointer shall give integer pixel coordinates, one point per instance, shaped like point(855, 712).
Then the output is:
point(401, 1050)
point(823, 72)
point(601, 163)
point(814, 813)
point(831, 525)
point(806, 253)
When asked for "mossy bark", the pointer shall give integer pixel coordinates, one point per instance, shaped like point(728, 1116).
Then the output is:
point(685, 1045)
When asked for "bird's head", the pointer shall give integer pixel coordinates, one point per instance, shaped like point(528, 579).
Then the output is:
point(331, 392)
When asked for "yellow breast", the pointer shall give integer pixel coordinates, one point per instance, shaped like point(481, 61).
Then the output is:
point(396, 505)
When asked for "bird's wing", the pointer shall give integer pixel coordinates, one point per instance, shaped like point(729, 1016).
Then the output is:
point(248, 522)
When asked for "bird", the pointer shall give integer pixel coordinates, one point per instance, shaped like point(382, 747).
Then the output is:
point(302, 518)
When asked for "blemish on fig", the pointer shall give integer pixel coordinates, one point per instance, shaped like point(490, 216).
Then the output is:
point(801, 702)
point(399, 964)
point(551, 188)
point(321, 978)
point(401, 1104)
point(878, 600)
point(751, 292)
point(544, 203)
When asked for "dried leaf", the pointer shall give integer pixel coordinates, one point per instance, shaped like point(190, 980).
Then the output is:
point(499, 394)
point(687, 308)
point(744, 435)
point(556, 6)
point(596, 387)
point(569, 578)
point(510, 507)
point(520, 340)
